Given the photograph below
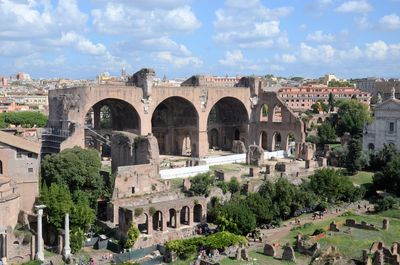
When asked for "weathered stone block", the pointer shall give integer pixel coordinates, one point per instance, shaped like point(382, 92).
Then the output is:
point(238, 147)
point(385, 224)
point(269, 250)
point(255, 155)
point(288, 253)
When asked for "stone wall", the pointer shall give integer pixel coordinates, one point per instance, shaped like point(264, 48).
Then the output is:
point(129, 149)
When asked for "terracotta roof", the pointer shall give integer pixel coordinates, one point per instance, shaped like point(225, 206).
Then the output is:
point(19, 142)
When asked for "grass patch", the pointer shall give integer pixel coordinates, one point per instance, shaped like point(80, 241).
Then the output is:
point(258, 258)
point(351, 244)
point(362, 177)
point(176, 183)
point(226, 167)
point(391, 213)
point(32, 262)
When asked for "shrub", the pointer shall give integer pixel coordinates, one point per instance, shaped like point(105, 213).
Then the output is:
point(318, 231)
point(386, 203)
point(138, 212)
point(133, 235)
point(201, 184)
point(223, 186)
point(185, 247)
point(152, 210)
point(233, 185)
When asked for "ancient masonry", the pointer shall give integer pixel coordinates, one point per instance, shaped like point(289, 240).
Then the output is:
point(186, 120)
point(148, 121)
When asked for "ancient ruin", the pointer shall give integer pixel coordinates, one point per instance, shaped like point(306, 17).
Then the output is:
point(187, 120)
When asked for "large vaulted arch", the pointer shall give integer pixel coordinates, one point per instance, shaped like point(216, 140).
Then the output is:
point(175, 124)
point(227, 121)
point(106, 116)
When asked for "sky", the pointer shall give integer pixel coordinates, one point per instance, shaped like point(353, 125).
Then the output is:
point(180, 38)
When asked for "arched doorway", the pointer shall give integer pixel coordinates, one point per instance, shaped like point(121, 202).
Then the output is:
point(230, 119)
point(158, 221)
point(291, 144)
point(106, 116)
point(197, 213)
point(172, 218)
point(277, 141)
point(143, 223)
point(264, 140)
point(213, 139)
point(175, 125)
point(185, 215)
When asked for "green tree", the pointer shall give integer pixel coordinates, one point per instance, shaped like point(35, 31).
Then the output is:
point(242, 217)
point(379, 159)
point(319, 106)
point(352, 162)
point(332, 186)
point(261, 208)
point(201, 184)
point(133, 235)
point(352, 115)
point(386, 203)
point(27, 119)
point(326, 133)
point(77, 238)
point(331, 102)
point(78, 169)
point(389, 178)
point(58, 200)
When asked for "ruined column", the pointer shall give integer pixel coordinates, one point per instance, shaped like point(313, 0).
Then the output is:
point(149, 225)
point(178, 220)
point(96, 117)
point(3, 245)
point(67, 248)
point(40, 246)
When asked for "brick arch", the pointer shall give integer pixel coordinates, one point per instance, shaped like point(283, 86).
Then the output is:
point(230, 117)
point(112, 103)
point(180, 115)
point(213, 102)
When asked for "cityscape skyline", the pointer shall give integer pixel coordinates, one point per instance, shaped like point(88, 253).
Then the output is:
point(179, 38)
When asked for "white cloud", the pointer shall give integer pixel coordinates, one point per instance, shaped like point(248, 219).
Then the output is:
point(238, 26)
point(324, 53)
point(28, 19)
point(81, 44)
point(352, 54)
point(286, 58)
point(362, 22)
point(319, 36)
point(377, 50)
point(356, 6)
point(177, 61)
point(232, 58)
point(120, 18)
point(390, 22)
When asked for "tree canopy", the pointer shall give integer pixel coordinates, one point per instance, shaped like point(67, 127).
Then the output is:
point(326, 133)
point(78, 169)
point(26, 119)
point(352, 117)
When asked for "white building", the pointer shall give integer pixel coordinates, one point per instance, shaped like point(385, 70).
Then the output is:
point(385, 129)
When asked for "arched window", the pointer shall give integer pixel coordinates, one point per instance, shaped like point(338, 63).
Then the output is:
point(264, 113)
point(277, 115)
point(1, 167)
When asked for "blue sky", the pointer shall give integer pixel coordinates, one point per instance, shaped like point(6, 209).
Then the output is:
point(179, 38)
